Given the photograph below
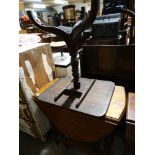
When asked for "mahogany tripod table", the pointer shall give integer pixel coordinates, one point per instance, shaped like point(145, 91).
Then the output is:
point(87, 117)
point(82, 109)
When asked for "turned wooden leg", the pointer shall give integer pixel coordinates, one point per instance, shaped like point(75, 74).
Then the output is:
point(75, 72)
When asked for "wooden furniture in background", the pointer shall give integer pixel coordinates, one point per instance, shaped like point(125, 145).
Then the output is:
point(124, 36)
point(36, 72)
point(49, 37)
point(27, 25)
point(130, 125)
point(62, 64)
point(58, 46)
point(61, 59)
point(109, 62)
point(69, 15)
point(104, 41)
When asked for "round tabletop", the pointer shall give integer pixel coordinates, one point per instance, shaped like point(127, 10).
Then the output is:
point(58, 44)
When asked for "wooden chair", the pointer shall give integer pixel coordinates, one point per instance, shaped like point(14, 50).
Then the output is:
point(36, 73)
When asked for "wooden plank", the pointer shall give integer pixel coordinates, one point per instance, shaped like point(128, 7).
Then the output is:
point(110, 62)
point(95, 103)
point(71, 103)
point(98, 99)
point(49, 94)
point(46, 86)
point(117, 105)
point(59, 87)
point(86, 126)
point(130, 115)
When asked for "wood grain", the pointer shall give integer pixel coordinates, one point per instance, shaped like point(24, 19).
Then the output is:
point(117, 105)
point(109, 62)
point(39, 71)
point(80, 125)
point(36, 72)
point(130, 115)
point(45, 87)
point(95, 103)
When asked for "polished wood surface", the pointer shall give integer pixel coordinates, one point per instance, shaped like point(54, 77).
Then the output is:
point(45, 87)
point(86, 123)
point(104, 41)
point(75, 125)
point(109, 62)
point(117, 105)
point(58, 44)
point(129, 139)
point(130, 125)
point(130, 115)
point(93, 102)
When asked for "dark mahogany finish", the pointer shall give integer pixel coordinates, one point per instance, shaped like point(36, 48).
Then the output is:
point(87, 113)
point(71, 37)
point(110, 62)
